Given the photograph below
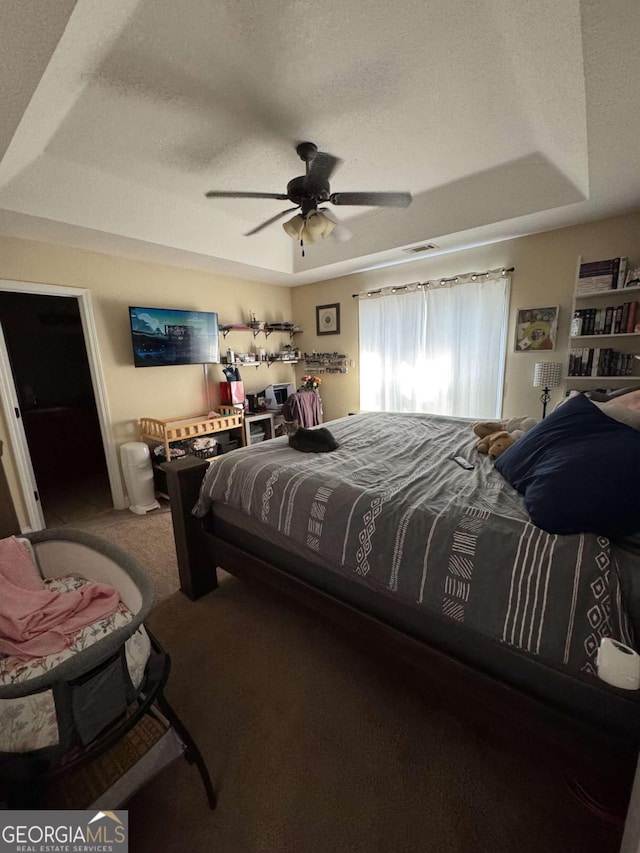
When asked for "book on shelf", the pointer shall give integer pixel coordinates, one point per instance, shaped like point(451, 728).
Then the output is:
point(596, 276)
point(576, 324)
point(608, 320)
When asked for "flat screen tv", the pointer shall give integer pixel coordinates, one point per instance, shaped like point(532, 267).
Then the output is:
point(162, 336)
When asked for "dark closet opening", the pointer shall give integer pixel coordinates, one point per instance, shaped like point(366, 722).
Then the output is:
point(50, 367)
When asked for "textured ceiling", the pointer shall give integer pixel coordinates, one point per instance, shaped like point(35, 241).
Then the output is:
point(501, 117)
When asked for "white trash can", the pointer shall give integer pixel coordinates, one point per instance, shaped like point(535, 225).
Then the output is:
point(138, 476)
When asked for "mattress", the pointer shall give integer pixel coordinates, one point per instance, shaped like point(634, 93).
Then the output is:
point(579, 694)
point(391, 512)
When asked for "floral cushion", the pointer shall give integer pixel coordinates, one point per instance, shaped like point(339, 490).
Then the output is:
point(29, 723)
point(14, 670)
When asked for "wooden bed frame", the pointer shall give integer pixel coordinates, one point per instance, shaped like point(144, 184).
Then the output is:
point(601, 760)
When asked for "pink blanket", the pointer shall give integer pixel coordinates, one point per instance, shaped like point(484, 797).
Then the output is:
point(34, 621)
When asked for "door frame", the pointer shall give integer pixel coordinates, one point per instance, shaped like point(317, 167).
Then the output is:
point(17, 437)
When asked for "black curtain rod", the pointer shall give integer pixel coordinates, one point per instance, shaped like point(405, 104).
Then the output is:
point(395, 288)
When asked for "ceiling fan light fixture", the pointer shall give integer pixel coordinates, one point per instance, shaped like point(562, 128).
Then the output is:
point(329, 225)
point(294, 226)
point(318, 226)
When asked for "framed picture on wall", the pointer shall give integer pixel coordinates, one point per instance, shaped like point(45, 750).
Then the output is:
point(536, 329)
point(328, 319)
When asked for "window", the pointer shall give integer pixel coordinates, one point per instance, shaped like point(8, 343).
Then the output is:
point(439, 350)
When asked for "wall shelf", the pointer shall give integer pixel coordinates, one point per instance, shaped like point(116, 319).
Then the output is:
point(629, 377)
point(256, 328)
point(267, 361)
point(326, 362)
point(616, 291)
point(599, 337)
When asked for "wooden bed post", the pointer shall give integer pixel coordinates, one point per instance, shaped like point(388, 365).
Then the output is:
point(197, 572)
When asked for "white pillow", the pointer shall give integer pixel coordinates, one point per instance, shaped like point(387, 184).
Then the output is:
point(630, 417)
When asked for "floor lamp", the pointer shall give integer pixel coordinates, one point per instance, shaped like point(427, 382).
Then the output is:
point(547, 375)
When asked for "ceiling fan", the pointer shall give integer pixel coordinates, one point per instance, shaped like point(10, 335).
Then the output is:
point(310, 190)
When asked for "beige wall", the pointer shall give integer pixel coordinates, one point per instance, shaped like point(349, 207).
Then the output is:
point(115, 283)
point(545, 268)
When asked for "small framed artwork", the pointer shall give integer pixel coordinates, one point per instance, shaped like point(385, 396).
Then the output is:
point(328, 319)
point(536, 329)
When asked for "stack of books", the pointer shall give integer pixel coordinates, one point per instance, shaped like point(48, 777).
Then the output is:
point(596, 276)
point(599, 362)
point(614, 320)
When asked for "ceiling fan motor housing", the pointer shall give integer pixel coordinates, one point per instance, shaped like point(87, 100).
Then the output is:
point(300, 194)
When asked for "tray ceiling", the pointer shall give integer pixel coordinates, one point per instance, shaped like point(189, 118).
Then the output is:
point(501, 117)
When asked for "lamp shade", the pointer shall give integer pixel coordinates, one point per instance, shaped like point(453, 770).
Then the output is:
point(316, 225)
point(547, 374)
point(294, 226)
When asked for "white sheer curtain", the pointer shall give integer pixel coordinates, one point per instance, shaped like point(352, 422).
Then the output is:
point(439, 350)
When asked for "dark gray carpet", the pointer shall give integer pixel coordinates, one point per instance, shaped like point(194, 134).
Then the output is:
point(314, 745)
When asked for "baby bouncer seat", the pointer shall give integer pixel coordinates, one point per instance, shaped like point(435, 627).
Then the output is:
point(61, 711)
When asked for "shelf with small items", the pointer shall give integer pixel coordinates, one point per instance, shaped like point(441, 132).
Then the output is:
point(327, 362)
point(286, 355)
point(257, 326)
point(269, 360)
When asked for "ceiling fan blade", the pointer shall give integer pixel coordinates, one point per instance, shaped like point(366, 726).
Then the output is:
point(320, 170)
point(270, 221)
point(373, 199)
point(225, 194)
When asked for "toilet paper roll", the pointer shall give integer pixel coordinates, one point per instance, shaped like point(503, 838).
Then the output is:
point(618, 664)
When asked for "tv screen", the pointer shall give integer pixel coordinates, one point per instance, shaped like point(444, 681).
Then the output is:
point(162, 336)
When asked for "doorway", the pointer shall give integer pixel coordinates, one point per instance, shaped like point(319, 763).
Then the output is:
point(51, 373)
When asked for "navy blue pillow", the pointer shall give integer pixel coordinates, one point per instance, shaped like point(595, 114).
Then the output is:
point(579, 471)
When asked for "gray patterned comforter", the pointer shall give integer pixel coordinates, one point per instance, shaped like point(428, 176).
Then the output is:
point(391, 509)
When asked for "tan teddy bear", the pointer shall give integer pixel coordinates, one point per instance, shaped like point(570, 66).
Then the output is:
point(497, 442)
point(484, 428)
point(496, 436)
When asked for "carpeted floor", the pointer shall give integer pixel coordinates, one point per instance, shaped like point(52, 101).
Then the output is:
point(148, 538)
point(313, 745)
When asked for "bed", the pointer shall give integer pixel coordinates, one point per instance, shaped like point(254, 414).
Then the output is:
point(436, 566)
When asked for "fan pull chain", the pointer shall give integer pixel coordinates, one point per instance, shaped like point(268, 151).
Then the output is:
point(302, 246)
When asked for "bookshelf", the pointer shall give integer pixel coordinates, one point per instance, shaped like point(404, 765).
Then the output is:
point(602, 354)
